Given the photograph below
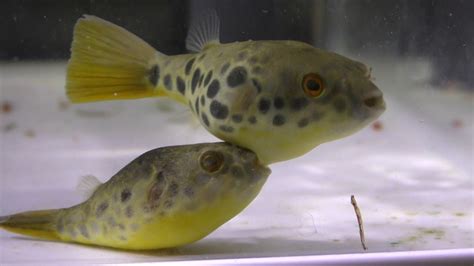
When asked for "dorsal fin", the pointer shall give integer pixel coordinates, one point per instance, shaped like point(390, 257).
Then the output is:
point(88, 185)
point(204, 30)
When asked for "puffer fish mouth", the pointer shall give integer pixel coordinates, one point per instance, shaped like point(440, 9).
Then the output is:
point(256, 168)
point(263, 170)
point(374, 102)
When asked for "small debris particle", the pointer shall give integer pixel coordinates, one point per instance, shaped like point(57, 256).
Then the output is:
point(6, 107)
point(10, 127)
point(459, 214)
point(457, 123)
point(377, 126)
point(63, 105)
point(359, 221)
point(30, 133)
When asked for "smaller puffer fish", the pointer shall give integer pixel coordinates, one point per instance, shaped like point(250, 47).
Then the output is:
point(166, 197)
point(279, 99)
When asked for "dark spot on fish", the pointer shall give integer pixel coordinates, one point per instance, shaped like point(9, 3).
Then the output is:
point(252, 119)
point(180, 85)
point(202, 179)
point(168, 204)
point(237, 118)
point(168, 82)
point(278, 120)
point(279, 103)
point(123, 238)
point(298, 104)
point(72, 232)
point(303, 122)
point(205, 120)
point(213, 89)
point(173, 189)
point(129, 212)
point(220, 54)
point(340, 105)
point(196, 105)
point(225, 128)
point(257, 70)
point(257, 85)
point(218, 110)
point(195, 80)
point(160, 177)
point(60, 226)
point(111, 221)
point(83, 230)
point(203, 100)
point(236, 171)
point(208, 78)
point(264, 105)
point(125, 195)
point(154, 75)
point(317, 116)
point(189, 65)
point(121, 226)
point(224, 68)
point(242, 55)
point(200, 80)
point(253, 60)
point(189, 191)
point(101, 209)
point(154, 194)
point(237, 76)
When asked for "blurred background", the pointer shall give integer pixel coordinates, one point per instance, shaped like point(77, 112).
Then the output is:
point(441, 31)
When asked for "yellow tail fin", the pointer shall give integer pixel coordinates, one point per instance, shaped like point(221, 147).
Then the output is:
point(39, 224)
point(108, 63)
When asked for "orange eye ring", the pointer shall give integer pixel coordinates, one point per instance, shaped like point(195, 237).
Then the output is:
point(313, 85)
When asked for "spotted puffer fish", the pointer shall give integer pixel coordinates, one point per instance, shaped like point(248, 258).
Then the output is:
point(279, 99)
point(166, 197)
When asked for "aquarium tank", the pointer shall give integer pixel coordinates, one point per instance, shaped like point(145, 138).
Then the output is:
point(363, 110)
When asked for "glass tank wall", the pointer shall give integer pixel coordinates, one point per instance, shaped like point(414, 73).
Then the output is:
point(411, 170)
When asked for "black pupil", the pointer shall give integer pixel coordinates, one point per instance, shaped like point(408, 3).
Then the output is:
point(313, 85)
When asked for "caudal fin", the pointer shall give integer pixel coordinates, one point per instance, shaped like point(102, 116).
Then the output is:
point(40, 224)
point(108, 63)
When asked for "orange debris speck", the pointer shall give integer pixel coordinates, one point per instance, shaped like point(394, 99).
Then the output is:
point(457, 123)
point(377, 126)
point(6, 107)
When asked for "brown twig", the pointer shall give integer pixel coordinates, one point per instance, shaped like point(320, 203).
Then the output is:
point(359, 221)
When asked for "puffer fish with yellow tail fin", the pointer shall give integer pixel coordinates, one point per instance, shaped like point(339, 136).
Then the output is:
point(166, 197)
point(279, 99)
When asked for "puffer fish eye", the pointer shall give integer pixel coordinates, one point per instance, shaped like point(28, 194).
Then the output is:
point(211, 161)
point(313, 85)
